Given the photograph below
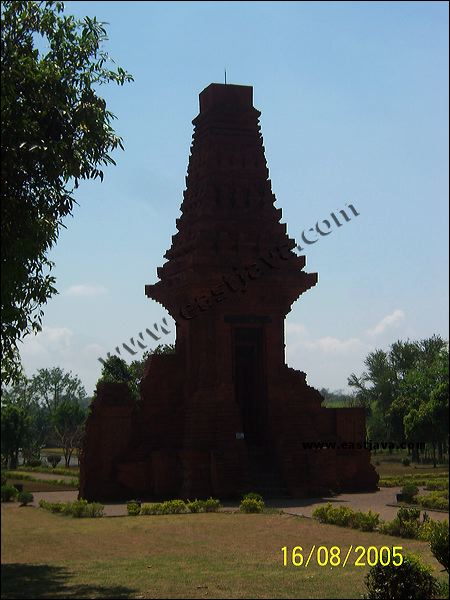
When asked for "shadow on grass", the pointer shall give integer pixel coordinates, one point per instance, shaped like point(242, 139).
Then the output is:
point(45, 581)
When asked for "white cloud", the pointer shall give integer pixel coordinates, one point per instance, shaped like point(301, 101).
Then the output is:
point(49, 340)
point(85, 290)
point(298, 336)
point(391, 320)
point(327, 361)
point(332, 345)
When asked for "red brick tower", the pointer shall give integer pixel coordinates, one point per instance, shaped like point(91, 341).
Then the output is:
point(224, 414)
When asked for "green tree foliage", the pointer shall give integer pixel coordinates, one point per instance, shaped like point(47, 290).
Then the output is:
point(406, 392)
point(68, 420)
point(44, 409)
point(117, 370)
point(15, 430)
point(52, 386)
point(56, 131)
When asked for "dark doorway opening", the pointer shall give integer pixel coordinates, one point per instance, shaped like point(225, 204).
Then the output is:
point(249, 378)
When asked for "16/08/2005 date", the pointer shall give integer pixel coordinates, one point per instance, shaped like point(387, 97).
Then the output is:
point(334, 557)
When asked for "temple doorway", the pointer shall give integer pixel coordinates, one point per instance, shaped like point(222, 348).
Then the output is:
point(249, 379)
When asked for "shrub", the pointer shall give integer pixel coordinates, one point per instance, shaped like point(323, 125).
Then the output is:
point(173, 507)
point(405, 529)
point(93, 510)
point(4, 479)
point(346, 517)
point(406, 462)
point(78, 508)
point(408, 514)
point(133, 508)
point(365, 521)
point(54, 459)
point(437, 499)
point(253, 496)
point(439, 542)
point(54, 507)
point(409, 490)
point(411, 580)
point(151, 509)
point(212, 505)
point(251, 505)
point(8, 493)
point(25, 498)
point(195, 506)
point(34, 462)
point(437, 484)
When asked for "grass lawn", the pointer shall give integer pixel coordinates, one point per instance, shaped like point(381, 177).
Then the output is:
point(217, 555)
point(41, 486)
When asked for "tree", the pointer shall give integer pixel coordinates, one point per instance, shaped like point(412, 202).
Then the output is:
point(69, 419)
point(406, 389)
point(52, 386)
point(23, 397)
point(14, 428)
point(117, 370)
point(56, 131)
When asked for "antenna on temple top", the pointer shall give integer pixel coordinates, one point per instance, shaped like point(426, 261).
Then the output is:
point(225, 76)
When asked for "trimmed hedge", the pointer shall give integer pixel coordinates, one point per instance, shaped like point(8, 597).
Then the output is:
point(346, 517)
point(77, 509)
point(177, 507)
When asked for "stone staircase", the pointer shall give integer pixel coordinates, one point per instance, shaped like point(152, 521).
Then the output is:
point(264, 474)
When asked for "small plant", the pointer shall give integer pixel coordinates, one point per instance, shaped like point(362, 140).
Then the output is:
point(408, 528)
point(133, 508)
point(408, 491)
point(4, 479)
point(78, 508)
point(151, 509)
point(212, 505)
point(439, 542)
point(406, 462)
point(437, 500)
point(251, 505)
point(408, 514)
point(174, 507)
point(54, 459)
point(195, 506)
point(346, 517)
point(8, 493)
point(25, 498)
point(54, 507)
point(253, 496)
point(365, 521)
point(411, 580)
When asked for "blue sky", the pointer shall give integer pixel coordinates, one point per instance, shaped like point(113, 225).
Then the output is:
point(354, 102)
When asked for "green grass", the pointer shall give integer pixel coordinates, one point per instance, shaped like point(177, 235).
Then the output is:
point(73, 483)
point(72, 472)
point(34, 484)
point(440, 482)
point(216, 555)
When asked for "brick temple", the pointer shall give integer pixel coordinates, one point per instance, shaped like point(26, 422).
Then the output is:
point(224, 414)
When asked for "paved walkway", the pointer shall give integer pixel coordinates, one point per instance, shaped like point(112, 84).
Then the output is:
point(379, 502)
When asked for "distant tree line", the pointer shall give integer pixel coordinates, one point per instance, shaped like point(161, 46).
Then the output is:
point(48, 409)
point(404, 392)
point(51, 408)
